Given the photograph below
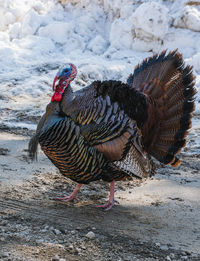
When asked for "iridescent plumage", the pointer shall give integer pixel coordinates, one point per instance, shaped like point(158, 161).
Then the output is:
point(109, 129)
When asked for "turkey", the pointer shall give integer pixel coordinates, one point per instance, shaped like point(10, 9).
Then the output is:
point(109, 130)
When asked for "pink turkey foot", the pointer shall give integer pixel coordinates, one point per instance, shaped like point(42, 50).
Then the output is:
point(106, 206)
point(72, 196)
point(66, 198)
point(111, 201)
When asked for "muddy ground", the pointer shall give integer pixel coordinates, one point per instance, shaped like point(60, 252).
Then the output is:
point(156, 219)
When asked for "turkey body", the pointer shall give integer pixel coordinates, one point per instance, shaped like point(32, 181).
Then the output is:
point(110, 129)
point(95, 142)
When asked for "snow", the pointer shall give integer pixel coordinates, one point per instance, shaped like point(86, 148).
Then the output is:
point(151, 21)
point(97, 45)
point(104, 38)
point(121, 34)
point(189, 18)
point(58, 32)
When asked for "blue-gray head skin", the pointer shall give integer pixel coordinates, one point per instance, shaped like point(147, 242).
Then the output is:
point(64, 76)
point(64, 71)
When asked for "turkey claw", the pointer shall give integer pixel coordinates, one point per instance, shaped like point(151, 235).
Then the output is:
point(65, 199)
point(106, 206)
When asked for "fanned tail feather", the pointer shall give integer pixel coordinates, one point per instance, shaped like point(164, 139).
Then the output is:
point(169, 87)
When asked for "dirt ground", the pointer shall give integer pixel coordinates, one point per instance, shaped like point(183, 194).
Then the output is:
point(156, 219)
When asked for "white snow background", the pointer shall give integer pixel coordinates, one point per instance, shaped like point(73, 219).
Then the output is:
point(105, 39)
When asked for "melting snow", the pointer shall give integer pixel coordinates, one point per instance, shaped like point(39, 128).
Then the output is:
point(104, 38)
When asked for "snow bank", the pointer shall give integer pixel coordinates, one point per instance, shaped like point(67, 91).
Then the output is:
point(97, 45)
point(189, 18)
point(121, 36)
point(104, 38)
point(58, 32)
point(150, 21)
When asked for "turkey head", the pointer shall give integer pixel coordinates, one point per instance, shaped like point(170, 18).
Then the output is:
point(64, 76)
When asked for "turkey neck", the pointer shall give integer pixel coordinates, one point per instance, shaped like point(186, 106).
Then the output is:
point(52, 115)
point(54, 110)
point(66, 104)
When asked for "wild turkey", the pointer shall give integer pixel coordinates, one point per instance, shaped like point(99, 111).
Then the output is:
point(110, 129)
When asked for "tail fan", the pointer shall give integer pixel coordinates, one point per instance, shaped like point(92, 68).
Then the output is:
point(169, 89)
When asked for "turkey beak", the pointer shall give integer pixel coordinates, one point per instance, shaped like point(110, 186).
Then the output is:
point(54, 82)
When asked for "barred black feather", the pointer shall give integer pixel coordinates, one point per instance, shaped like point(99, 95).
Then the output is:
point(109, 129)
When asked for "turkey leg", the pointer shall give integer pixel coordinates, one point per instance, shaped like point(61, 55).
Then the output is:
point(111, 200)
point(72, 196)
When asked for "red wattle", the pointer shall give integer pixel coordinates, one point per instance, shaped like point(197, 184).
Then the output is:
point(59, 89)
point(56, 97)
